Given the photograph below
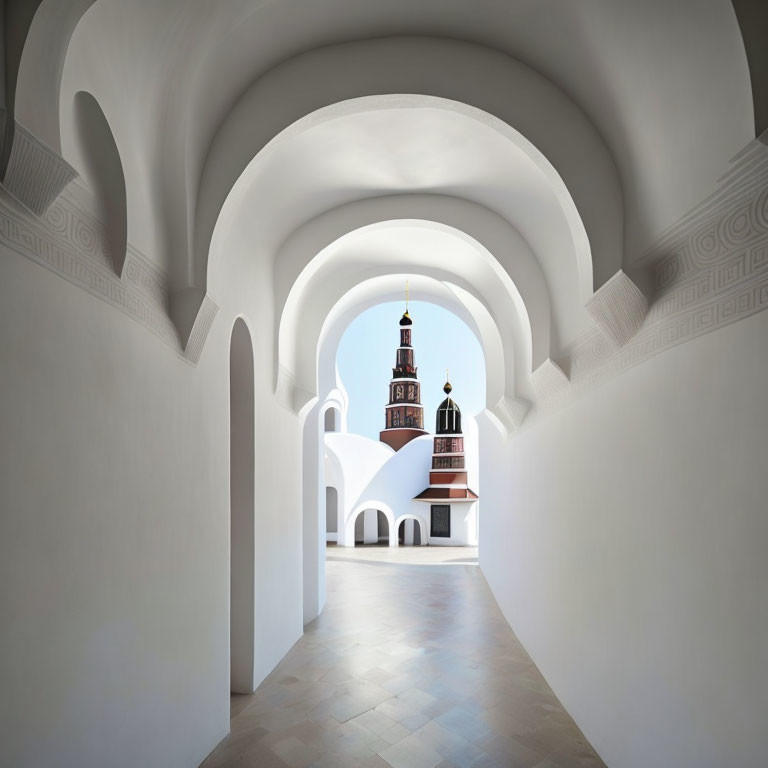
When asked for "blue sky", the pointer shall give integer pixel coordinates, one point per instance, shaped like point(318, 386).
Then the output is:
point(440, 340)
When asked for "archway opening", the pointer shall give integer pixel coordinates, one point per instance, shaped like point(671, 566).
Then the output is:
point(332, 420)
point(242, 508)
point(331, 514)
point(371, 528)
point(410, 533)
point(366, 470)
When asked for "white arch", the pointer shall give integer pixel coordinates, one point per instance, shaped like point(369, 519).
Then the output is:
point(340, 80)
point(336, 400)
point(552, 198)
point(41, 66)
point(423, 527)
point(349, 525)
point(468, 281)
point(499, 368)
point(555, 312)
point(571, 257)
point(313, 491)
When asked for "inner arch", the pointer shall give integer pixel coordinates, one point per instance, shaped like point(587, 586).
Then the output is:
point(336, 280)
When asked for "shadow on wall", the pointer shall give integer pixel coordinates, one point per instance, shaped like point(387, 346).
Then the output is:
point(103, 173)
point(242, 507)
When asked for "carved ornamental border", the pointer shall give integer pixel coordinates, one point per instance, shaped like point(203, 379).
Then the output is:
point(709, 270)
point(72, 243)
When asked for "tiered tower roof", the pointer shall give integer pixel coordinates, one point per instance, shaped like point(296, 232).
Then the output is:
point(404, 413)
point(448, 476)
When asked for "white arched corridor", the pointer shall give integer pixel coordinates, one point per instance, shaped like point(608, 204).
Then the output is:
point(197, 199)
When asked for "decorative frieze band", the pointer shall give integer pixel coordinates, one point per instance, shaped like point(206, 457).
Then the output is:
point(200, 329)
point(548, 379)
point(619, 308)
point(140, 272)
point(511, 412)
point(73, 244)
point(36, 175)
point(709, 270)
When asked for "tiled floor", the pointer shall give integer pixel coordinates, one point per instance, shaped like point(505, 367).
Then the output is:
point(411, 665)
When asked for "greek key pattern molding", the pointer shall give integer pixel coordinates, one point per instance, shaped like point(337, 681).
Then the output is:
point(709, 270)
point(200, 328)
point(619, 308)
point(71, 243)
point(36, 175)
point(548, 379)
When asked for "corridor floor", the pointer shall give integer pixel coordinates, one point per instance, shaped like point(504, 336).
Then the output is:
point(411, 665)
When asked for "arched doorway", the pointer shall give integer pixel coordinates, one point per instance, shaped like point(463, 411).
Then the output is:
point(411, 532)
point(242, 520)
point(371, 528)
point(332, 420)
point(331, 513)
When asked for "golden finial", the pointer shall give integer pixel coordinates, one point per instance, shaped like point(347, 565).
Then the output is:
point(447, 388)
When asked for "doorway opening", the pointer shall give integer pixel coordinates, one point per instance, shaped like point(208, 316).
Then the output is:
point(331, 514)
point(371, 528)
point(411, 533)
point(242, 508)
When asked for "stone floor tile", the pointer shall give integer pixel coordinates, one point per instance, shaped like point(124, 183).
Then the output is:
point(295, 753)
point(411, 752)
point(394, 734)
point(512, 752)
point(414, 722)
point(376, 722)
point(465, 724)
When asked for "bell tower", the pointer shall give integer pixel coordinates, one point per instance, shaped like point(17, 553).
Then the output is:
point(404, 414)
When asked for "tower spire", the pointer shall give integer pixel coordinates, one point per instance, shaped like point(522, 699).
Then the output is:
point(404, 412)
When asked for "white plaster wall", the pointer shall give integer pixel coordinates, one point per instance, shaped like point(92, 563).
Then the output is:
point(630, 555)
point(463, 525)
point(114, 530)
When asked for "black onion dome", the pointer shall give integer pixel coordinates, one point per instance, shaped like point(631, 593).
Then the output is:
point(406, 319)
point(448, 417)
point(449, 405)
